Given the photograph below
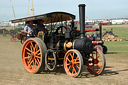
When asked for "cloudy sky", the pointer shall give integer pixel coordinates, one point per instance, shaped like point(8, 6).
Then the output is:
point(95, 9)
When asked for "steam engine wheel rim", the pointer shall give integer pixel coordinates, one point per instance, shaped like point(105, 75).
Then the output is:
point(31, 56)
point(73, 63)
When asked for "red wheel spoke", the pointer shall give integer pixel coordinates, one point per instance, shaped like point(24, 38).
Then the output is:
point(99, 66)
point(93, 68)
point(28, 49)
point(100, 61)
point(98, 56)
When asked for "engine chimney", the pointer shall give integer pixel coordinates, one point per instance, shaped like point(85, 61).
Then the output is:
point(82, 19)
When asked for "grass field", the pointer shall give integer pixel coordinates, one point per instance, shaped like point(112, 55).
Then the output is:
point(115, 73)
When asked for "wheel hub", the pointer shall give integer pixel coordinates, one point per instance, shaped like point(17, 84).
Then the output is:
point(32, 55)
point(96, 61)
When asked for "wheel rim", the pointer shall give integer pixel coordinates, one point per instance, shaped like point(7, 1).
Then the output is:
point(99, 47)
point(31, 56)
point(96, 62)
point(72, 63)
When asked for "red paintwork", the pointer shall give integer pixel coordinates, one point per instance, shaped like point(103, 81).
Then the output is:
point(90, 30)
point(88, 26)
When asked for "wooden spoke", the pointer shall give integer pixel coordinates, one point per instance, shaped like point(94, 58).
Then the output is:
point(26, 57)
point(77, 66)
point(38, 57)
point(28, 53)
point(37, 62)
point(28, 49)
point(71, 56)
point(98, 65)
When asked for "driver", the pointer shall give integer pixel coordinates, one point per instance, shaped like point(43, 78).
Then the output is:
point(41, 26)
point(29, 28)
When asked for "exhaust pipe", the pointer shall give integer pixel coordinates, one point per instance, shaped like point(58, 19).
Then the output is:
point(82, 19)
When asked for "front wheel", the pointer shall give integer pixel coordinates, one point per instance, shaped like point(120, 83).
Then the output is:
point(96, 62)
point(73, 63)
point(33, 55)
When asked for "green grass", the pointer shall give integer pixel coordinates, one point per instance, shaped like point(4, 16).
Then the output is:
point(117, 46)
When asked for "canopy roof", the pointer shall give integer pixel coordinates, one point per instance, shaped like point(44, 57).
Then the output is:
point(48, 17)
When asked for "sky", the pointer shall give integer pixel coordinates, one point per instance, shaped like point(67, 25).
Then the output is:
point(95, 9)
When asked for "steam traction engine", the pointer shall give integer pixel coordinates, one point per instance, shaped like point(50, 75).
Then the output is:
point(71, 48)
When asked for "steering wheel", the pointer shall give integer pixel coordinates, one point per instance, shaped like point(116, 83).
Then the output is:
point(62, 30)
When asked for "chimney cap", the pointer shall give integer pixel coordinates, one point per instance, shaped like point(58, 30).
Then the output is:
point(81, 5)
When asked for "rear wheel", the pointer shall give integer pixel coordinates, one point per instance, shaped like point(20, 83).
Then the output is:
point(73, 63)
point(33, 54)
point(96, 62)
